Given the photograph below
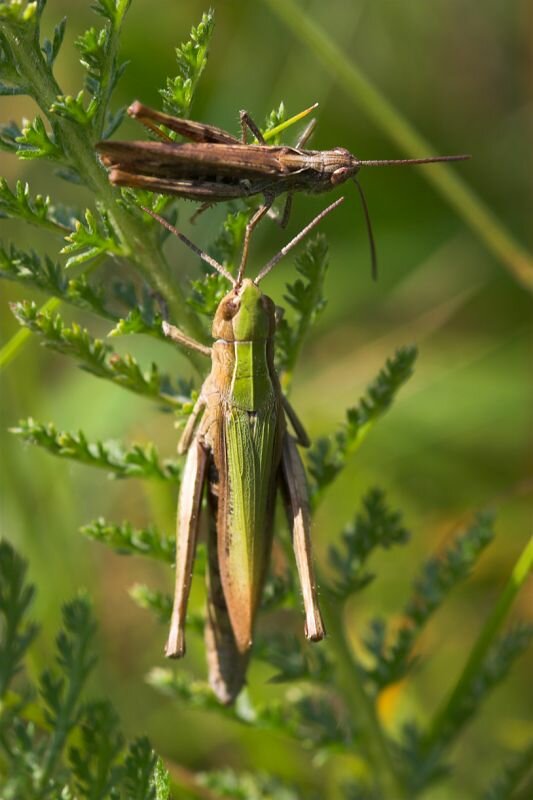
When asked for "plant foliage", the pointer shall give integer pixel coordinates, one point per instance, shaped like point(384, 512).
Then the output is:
point(37, 719)
point(53, 742)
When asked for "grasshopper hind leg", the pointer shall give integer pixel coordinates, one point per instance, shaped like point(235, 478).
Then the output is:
point(189, 504)
point(295, 494)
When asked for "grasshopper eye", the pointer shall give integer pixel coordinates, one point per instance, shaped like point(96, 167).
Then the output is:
point(340, 175)
point(229, 309)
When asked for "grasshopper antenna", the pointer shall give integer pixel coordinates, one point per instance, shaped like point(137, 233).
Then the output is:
point(400, 162)
point(293, 242)
point(203, 255)
point(372, 241)
point(393, 162)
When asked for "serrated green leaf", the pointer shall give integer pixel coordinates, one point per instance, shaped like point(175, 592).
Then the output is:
point(293, 659)
point(9, 133)
point(138, 321)
point(112, 10)
point(34, 141)
point(306, 298)
point(16, 597)
point(61, 689)
point(98, 357)
point(159, 603)
point(139, 767)
point(438, 577)
point(28, 268)
point(36, 210)
point(92, 45)
point(128, 540)
point(98, 50)
point(207, 293)
point(191, 59)
point(74, 109)
point(329, 456)
point(137, 461)
point(112, 121)
point(51, 47)
point(21, 12)
point(317, 722)
point(227, 246)
point(48, 276)
point(53, 743)
point(196, 694)
point(161, 781)
point(97, 237)
point(227, 783)
point(376, 526)
point(94, 759)
point(272, 120)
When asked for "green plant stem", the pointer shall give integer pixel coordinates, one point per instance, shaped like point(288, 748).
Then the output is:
point(519, 575)
point(79, 149)
point(362, 708)
point(494, 235)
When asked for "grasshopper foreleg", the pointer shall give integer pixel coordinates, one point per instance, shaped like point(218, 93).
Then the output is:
point(297, 506)
point(181, 338)
point(189, 503)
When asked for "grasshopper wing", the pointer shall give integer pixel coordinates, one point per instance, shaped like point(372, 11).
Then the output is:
point(192, 160)
point(252, 451)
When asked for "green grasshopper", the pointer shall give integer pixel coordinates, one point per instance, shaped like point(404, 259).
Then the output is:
point(215, 166)
point(238, 446)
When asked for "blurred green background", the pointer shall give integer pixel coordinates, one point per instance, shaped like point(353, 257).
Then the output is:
point(459, 437)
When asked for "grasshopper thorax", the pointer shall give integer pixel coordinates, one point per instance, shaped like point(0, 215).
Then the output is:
point(244, 315)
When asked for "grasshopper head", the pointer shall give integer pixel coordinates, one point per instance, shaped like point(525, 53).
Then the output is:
point(245, 314)
point(343, 165)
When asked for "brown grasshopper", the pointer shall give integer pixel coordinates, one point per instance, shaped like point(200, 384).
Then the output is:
point(239, 449)
point(215, 166)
